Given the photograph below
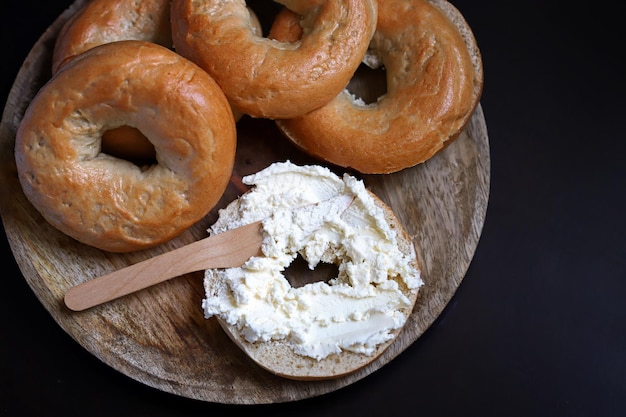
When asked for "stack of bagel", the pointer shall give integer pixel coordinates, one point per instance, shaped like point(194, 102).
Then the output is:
point(166, 81)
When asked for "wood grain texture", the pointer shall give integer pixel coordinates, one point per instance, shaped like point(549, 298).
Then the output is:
point(158, 336)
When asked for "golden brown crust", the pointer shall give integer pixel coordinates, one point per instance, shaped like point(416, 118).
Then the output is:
point(434, 82)
point(266, 78)
point(277, 357)
point(112, 203)
point(105, 21)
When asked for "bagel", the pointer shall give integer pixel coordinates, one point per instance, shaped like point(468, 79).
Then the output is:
point(270, 79)
point(310, 328)
point(108, 202)
point(434, 82)
point(106, 21)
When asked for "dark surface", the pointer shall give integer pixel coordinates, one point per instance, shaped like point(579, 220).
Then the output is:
point(538, 326)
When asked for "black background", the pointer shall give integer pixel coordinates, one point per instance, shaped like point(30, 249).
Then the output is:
point(538, 326)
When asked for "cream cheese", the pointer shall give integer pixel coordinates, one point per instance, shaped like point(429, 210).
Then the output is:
point(355, 311)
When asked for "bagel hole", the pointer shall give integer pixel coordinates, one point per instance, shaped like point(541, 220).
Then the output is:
point(265, 12)
point(126, 142)
point(299, 274)
point(368, 83)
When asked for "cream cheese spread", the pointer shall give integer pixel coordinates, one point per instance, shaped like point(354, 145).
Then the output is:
point(355, 311)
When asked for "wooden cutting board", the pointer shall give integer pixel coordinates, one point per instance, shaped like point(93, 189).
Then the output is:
point(159, 336)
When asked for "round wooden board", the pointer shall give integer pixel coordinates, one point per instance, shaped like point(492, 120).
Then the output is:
point(159, 336)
